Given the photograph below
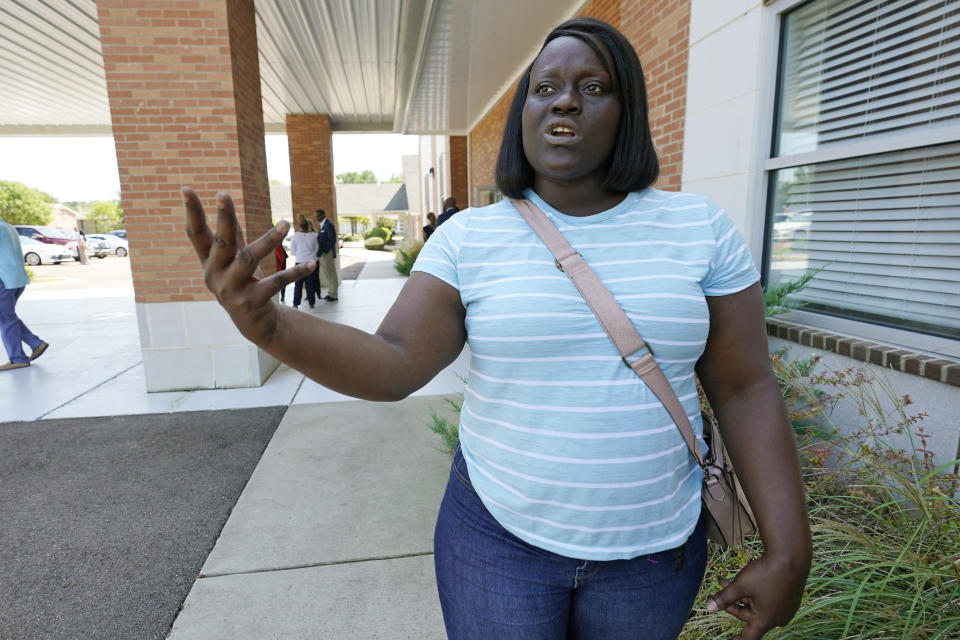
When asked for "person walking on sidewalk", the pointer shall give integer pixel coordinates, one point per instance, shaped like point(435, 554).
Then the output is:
point(573, 505)
point(327, 257)
point(13, 280)
point(303, 246)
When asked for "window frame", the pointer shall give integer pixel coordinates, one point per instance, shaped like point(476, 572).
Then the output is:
point(769, 164)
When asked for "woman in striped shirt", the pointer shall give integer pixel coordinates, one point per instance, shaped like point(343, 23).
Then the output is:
point(573, 505)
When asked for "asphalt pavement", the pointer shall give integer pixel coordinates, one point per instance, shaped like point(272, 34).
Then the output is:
point(107, 521)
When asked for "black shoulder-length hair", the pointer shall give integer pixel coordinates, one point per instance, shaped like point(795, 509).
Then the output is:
point(633, 164)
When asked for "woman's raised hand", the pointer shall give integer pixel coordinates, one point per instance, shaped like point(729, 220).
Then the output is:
point(230, 267)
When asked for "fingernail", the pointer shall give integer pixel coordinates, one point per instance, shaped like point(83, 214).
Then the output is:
point(711, 605)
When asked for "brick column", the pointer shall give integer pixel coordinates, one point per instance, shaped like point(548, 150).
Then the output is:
point(459, 188)
point(183, 80)
point(310, 140)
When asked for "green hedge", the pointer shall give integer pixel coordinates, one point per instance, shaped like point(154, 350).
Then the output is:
point(379, 232)
point(374, 243)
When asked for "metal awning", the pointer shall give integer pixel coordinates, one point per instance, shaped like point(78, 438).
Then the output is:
point(412, 66)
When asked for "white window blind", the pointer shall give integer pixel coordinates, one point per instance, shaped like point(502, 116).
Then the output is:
point(855, 69)
point(887, 230)
point(885, 227)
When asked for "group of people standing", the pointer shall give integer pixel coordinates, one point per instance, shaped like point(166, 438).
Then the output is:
point(449, 208)
point(312, 243)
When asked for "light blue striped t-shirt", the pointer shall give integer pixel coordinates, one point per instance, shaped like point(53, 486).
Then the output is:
point(566, 446)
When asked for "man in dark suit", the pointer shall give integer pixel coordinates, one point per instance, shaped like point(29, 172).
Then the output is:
point(449, 208)
point(327, 256)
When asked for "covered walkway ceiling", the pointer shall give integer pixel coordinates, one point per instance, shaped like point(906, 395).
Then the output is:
point(411, 66)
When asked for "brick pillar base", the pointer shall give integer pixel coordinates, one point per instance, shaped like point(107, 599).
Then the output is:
point(183, 81)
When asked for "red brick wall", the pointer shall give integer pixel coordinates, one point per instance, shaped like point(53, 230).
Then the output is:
point(659, 30)
point(245, 64)
point(179, 119)
point(485, 141)
point(458, 170)
point(310, 140)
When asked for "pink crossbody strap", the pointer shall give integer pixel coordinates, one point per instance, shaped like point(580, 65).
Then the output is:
point(633, 350)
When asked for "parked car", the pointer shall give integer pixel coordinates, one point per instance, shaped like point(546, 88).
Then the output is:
point(97, 248)
point(115, 244)
point(36, 252)
point(120, 233)
point(791, 225)
point(48, 235)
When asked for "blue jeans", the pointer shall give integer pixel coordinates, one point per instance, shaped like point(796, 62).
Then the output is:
point(14, 332)
point(495, 586)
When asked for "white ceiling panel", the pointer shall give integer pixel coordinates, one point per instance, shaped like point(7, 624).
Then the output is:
point(473, 52)
point(417, 66)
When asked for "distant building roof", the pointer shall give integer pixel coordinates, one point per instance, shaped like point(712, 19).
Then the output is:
point(366, 199)
point(352, 199)
point(399, 200)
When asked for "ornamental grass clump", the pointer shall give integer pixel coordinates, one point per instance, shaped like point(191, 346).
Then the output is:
point(406, 255)
point(885, 520)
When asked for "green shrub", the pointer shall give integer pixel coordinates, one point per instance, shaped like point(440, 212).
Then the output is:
point(407, 254)
point(379, 232)
point(355, 237)
point(885, 524)
point(375, 244)
point(387, 223)
point(30, 274)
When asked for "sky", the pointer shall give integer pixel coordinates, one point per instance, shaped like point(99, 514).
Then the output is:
point(85, 168)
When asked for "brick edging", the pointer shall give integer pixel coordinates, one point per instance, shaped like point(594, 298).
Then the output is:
point(918, 364)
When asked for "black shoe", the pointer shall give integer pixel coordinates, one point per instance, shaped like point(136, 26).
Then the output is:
point(329, 299)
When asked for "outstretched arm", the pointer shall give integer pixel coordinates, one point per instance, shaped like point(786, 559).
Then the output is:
point(736, 374)
point(390, 364)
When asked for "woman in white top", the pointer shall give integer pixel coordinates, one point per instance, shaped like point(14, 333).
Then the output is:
point(304, 247)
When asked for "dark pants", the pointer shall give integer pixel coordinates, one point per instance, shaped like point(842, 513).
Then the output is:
point(308, 282)
point(494, 585)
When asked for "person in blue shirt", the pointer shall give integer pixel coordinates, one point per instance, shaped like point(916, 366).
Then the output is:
point(13, 280)
point(572, 508)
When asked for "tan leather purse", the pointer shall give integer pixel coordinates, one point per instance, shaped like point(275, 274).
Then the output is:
point(729, 517)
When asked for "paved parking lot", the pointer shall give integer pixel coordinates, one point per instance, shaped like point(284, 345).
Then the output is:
point(113, 272)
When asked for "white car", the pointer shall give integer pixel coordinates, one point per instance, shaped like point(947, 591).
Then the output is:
point(115, 243)
point(792, 225)
point(36, 252)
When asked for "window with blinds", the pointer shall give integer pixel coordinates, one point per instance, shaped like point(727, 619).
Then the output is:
point(855, 69)
point(885, 227)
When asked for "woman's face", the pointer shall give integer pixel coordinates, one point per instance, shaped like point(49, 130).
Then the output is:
point(571, 115)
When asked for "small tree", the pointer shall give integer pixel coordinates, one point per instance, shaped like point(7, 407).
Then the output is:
point(20, 204)
point(105, 215)
point(354, 177)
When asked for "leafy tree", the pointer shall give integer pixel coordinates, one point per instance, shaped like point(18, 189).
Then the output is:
point(20, 204)
point(394, 178)
point(105, 215)
point(353, 177)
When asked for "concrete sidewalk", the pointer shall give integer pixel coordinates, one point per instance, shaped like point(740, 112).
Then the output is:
point(332, 536)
